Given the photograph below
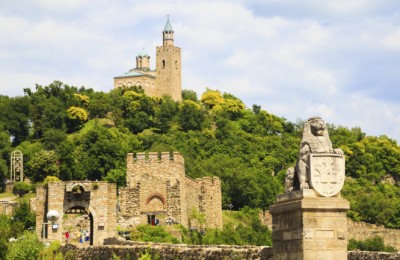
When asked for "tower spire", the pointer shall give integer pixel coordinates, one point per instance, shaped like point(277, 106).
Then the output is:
point(168, 33)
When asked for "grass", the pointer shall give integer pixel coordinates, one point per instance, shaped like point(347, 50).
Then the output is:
point(26, 197)
point(90, 125)
point(6, 195)
point(234, 218)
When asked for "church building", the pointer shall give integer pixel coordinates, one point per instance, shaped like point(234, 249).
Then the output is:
point(165, 79)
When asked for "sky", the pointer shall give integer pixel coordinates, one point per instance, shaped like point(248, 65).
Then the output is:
point(296, 58)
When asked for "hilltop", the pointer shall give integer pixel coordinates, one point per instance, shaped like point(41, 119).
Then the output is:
point(78, 133)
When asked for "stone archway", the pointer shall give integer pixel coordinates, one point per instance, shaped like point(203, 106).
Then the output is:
point(97, 199)
point(155, 209)
point(81, 220)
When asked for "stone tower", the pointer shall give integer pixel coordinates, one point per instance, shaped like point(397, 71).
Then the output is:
point(168, 66)
point(157, 188)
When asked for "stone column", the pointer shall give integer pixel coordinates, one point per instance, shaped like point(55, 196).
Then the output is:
point(308, 226)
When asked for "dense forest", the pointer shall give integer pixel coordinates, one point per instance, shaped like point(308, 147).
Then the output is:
point(77, 133)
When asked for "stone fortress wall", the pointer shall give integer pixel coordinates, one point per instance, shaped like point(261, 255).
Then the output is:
point(7, 207)
point(158, 188)
point(133, 250)
point(98, 199)
point(355, 230)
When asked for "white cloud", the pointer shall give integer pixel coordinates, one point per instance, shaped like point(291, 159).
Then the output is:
point(392, 40)
point(338, 59)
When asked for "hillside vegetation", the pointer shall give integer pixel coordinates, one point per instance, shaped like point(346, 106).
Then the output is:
point(77, 133)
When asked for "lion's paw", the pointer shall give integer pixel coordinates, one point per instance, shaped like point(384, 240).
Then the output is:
point(304, 186)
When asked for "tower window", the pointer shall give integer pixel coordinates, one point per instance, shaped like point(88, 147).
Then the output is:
point(176, 64)
point(163, 64)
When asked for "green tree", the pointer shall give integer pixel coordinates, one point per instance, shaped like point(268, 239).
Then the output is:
point(100, 150)
point(15, 117)
point(189, 95)
point(5, 151)
point(24, 215)
point(76, 117)
point(165, 113)
point(190, 116)
point(52, 138)
point(233, 106)
point(212, 99)
point(42, 164)
point(99, 105)
point(117, 176)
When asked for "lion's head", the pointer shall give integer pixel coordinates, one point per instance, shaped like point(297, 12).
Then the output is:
point(315, 129)
point(317, 126)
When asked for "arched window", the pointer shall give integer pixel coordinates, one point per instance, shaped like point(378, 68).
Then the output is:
point(163, 64)
point(176, 64)
point(138, 84)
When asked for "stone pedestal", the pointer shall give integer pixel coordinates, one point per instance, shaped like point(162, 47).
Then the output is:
point(306, 226)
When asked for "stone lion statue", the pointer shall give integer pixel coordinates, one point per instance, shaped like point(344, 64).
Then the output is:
point(315, 140)
point(289, 180)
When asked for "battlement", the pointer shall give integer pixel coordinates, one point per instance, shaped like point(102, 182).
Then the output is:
point(150, 157)
point(210, 181)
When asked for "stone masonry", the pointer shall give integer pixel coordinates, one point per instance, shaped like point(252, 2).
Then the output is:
point(158, 191)
point(309, 227)
point(98, 199)
point(309, 220)
point(355, 230)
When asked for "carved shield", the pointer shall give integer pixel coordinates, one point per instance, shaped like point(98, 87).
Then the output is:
point(326, 173)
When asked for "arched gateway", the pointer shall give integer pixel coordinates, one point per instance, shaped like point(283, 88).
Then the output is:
point(96, 199)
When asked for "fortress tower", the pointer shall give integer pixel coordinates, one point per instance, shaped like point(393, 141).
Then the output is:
point(158, 191)
point(166, 78)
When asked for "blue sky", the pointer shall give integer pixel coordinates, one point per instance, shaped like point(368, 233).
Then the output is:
point(296, 58)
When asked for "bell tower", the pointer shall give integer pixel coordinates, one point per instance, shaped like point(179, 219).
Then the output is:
point(168, 66)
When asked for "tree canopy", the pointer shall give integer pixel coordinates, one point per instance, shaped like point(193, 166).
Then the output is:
point(78, 133)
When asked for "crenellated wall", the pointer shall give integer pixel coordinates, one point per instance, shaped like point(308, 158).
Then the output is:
point(157, 187)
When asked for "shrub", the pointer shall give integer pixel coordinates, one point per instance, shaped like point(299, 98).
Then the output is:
point(156, 234)
point(51, 252)
point(50, 178)
point(371, 244)
point(21, 188)
point(26, 247)
point(95, 186)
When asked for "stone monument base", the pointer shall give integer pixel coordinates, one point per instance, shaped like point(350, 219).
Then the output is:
point(306, 226)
